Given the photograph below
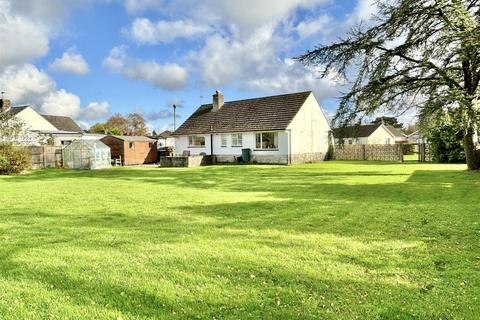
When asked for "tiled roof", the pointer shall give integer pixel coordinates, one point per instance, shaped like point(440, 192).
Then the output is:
point(259, 114)
point(63, 123)
point(359, 131)
point(396, 132)
point(165, 134)
point(17, 110)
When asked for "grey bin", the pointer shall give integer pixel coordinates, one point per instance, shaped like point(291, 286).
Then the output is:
point(246, 155)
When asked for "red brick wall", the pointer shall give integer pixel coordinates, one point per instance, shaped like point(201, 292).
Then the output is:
point(142, 152)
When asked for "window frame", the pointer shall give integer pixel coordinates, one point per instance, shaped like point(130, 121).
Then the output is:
point(131, 145)
point(238, 135)
point(275, 137)
point(223, 140)
point(191, 139)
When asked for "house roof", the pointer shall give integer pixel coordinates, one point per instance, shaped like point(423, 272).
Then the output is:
point(134, 138)
point(396, 132)
point(165, 134)
point(267, 113)
point(17, 110)
point(63, 123)
point(364, 131)
point(359, 131)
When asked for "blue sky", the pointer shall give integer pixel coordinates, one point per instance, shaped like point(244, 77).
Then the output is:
point(90, 59)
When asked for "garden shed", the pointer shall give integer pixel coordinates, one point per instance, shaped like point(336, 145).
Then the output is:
point(86, 154)
point(132, 150)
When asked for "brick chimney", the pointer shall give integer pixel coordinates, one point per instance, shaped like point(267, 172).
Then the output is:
point(218, 101)
point(4, 105)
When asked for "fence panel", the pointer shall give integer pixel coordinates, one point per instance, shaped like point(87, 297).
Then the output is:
point(374, 152)
point(46, 157)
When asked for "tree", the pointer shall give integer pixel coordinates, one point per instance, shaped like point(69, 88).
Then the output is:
point(136, 125)
point(445, 145)
point(118, 123)
point(102, 128)
point(392, 121)
point(419, 53)
point(14, 131)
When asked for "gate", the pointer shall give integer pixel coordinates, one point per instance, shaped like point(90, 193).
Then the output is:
point(416, 152)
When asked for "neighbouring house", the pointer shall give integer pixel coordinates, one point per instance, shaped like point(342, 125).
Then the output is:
point(59, 130)
point(165, 139)
point(283, 129)
point(369, 134)
point(132, 150)
point(416, 137)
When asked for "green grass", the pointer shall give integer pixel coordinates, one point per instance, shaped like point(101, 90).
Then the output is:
point(335, 240)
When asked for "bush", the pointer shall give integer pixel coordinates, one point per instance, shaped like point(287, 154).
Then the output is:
point(14, 159)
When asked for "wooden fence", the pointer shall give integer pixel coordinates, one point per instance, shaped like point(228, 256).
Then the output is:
point(377, 152)
point(46, 157)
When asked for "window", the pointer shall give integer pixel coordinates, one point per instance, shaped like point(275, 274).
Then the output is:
point(66, 142)
point(387, 140)
point(196, 141)
point(350, 141)
point(131, 145)
point(224, 140)
point(237, 140)
point(267, 140)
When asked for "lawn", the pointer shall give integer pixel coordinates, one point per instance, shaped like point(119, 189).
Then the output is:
point(335, 240)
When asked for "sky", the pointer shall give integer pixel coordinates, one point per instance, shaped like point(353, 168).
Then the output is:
point(89, 59)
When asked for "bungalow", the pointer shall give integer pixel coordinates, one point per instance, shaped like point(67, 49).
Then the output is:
point(370, 134)
point(132, 150)
point(165, 139)
point(61, 130)
point(283, 129)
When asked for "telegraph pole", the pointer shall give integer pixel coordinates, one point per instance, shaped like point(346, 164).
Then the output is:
point(174, 117)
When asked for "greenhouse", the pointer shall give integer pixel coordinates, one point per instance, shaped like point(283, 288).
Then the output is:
point(86, 154)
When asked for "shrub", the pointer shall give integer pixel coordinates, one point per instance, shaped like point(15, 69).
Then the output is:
point(446, 147)
point(14, 159)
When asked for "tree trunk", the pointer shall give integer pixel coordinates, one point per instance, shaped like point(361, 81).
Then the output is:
point(471, 154)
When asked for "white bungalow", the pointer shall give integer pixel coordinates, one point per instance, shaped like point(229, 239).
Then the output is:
point(283, 129)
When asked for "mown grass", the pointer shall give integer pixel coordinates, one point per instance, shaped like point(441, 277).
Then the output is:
point(335, 240)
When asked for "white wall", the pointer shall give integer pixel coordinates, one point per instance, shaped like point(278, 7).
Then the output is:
point(380, 136)
point(248, 142)
point(181, 144)
point(34, 121)
point(346, 141)
point(309, 129)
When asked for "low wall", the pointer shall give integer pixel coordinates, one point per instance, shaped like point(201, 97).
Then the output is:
point(307, 158)
point(269, 159)
point(191, 161)
point(46, 157)
point(375, 152)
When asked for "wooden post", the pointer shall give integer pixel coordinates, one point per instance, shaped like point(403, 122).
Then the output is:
point(364, 156)
point(400, 152)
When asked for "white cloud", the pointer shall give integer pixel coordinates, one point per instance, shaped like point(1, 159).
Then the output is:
point(255, 64)
point(28, 85)
point(145, 31)
point(25, 84)
point(61, 103)
point(95, 110)
point(168, 76)
point(26, 27)
point(21, 40)
point(71, 62)
point(363, 12)
point(309, 28)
